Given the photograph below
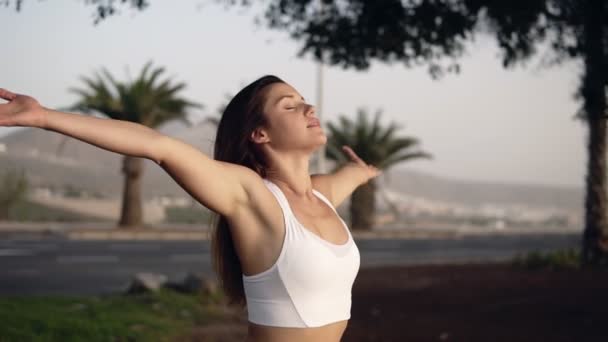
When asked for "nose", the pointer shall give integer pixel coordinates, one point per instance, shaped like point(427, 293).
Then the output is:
point(310, 109)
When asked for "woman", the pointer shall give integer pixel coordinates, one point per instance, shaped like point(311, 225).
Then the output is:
point(278, 246)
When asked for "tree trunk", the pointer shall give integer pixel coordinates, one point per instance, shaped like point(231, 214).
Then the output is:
point(595, 235)
point(363, 206)
point(4, 211)
point(131, 214)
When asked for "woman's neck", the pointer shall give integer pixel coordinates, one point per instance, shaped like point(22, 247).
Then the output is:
point(291, 173)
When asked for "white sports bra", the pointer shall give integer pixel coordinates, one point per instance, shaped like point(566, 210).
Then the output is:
point(310, 283)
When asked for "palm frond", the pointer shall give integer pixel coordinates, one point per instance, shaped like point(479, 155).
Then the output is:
point(109, 77)
point(373, 142)
point(399, 144)
point(149, 83)
point(335, 153)
point(144, 72)
point(147, 100)
point(375, 129)
point(401, 158)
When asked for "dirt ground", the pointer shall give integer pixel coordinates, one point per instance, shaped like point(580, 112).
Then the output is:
point(466, 303)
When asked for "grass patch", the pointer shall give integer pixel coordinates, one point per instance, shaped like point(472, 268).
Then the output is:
point(191, 214)
point(559, 259)
point(144, 317)
point(34, 212)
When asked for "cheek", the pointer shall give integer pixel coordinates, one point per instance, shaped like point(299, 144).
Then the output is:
point(284, 125)
point(286, 132)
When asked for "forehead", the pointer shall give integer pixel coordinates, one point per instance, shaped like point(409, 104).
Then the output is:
point(280, 90)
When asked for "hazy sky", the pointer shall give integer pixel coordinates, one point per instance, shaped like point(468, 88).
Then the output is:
point(486, 124)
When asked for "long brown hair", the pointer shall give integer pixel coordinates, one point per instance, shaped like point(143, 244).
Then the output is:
point(242, 115)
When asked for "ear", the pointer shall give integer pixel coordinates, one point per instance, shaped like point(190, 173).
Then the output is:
point(259, 136)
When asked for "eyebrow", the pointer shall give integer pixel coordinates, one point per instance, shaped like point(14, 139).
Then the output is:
point(284, 96)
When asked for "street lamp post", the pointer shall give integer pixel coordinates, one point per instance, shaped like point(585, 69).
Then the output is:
point(319, 110)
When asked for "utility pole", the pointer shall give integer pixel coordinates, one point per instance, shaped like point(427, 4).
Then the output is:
point(320, 161)
point(319, 110)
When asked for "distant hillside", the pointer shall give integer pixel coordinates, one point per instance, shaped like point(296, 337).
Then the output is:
point(87, 167)
point(475, 193)
point(54, 159)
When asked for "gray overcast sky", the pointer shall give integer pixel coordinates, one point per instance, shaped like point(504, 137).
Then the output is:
point(488, 124)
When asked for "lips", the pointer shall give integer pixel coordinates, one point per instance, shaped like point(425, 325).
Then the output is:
point(313, 123)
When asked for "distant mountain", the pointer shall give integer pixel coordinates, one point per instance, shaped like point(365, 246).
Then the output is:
point(50, 158)
point(53, 159)
point(476, 192)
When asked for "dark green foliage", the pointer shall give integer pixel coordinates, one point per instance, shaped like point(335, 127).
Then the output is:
point(192, 214)
point(145, 317)
point(376, 144)
point(34, 212)
point(103, 8)
point(13, 190)
point(355, 32)
point(554, 260)
point(352, 33)
point(373, 142)
point(147, 100)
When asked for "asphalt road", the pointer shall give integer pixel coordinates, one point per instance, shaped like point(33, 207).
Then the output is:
point(59, 266)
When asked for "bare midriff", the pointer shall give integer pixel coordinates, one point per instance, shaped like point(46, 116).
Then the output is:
point(327, 333)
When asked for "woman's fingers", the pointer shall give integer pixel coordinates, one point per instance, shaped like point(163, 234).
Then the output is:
point(21, 110)
point(352, 155)
point(374, 171)
point(7, 95)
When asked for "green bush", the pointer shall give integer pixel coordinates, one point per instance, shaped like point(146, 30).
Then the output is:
point(144, 317)
point(14, 186)
point(191, 214)
point(34, 212)
point(559, 259)
point(71, 191)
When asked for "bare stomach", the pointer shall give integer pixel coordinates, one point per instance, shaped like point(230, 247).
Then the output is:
point(327, 333)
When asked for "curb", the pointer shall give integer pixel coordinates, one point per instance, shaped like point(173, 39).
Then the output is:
point(136, 235)
point(204, 235)
point(194, 234)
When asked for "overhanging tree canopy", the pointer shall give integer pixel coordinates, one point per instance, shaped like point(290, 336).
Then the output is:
point(352, 33)
point(103, 8)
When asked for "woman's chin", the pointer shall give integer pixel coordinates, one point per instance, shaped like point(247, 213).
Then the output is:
point(319, 144)
point(316, 143)
point(322, 140)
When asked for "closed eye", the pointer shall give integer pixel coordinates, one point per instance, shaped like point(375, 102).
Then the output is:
point(295, 106)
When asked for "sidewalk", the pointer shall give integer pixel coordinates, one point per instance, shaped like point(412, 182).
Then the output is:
point(106, 231)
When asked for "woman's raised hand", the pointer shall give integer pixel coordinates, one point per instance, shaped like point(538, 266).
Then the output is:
point(371, 170)
point(21, 110)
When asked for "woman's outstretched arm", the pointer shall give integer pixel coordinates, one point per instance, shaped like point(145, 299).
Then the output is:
point(217, 185)
point(118, 136)
point(341, 183)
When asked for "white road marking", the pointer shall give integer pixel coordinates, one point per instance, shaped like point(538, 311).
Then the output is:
point(133, 247)
point(15, 252)
point(188, 257)
point(72, 259)
point(42, 246)
point(25, 272)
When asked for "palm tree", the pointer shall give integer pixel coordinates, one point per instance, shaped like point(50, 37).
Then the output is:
point(214, 120)
point(13, 189)
point(377, 145)
point(147, 100)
